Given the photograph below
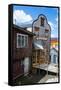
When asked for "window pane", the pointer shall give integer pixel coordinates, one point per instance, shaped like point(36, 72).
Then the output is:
point(19, 40)
point(25, 41)
point(22, 41)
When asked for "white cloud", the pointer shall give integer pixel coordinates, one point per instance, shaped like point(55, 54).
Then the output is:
point(54, 28)
point(56, 19)
point(52, 25)
point(20, 17)
point(52, 35)
point(29, 29)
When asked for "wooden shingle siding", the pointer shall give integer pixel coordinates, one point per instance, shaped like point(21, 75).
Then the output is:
point(19, 54)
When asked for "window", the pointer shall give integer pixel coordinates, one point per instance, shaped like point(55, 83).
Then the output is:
point(25, 41)
point(46, 33)
point(36, 29)
point(42, 21)
point(19, 40)
point(22, 40)
point(46, 30)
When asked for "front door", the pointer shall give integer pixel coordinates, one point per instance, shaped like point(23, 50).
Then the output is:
point(26, 65)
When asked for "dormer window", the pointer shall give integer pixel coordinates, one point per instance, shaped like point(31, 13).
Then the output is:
point(46, 30)
point(36, 29)
point(42, 21)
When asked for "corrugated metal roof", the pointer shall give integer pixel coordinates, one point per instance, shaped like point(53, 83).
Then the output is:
point(38, 46)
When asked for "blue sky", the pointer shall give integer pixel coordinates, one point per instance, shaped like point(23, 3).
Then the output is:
point(23, 15)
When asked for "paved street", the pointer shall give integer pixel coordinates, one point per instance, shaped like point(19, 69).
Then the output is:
point(49, 78)
point(36, 78)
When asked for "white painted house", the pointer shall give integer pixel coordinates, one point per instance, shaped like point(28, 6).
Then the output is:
point(54, 56)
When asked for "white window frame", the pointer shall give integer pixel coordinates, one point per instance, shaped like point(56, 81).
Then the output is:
point(21, 40)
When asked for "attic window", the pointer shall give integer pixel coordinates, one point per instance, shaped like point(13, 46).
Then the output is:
point(36, 29)
point(42, 21)
point(46, 30)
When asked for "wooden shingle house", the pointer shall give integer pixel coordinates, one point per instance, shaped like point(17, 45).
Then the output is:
point(41, 45)
point(21, 51)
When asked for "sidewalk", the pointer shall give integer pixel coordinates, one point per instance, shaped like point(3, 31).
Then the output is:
point(49, 78)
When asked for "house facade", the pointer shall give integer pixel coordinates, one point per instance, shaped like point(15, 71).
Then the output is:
point(54, 56)
point(42, 40)
point(21, 51)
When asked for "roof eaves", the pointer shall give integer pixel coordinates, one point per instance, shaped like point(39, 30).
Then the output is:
point(24, 29)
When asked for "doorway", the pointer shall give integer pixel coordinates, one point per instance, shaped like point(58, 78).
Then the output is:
point(26, 65)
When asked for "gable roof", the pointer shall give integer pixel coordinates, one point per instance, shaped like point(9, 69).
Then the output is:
point(38, 46)
point(23, 30)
